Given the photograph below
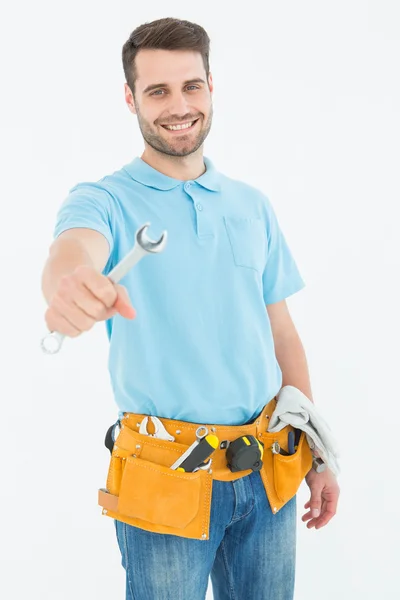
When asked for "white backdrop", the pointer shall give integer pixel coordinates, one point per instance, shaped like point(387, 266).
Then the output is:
point(306, 108)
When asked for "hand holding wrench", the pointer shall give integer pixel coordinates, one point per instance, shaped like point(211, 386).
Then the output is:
point(52, 342)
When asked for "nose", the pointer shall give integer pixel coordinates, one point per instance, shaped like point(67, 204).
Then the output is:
point(179, 105)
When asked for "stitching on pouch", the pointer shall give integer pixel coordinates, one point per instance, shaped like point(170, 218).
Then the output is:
point(266, 481)
point(162, 445)
point(177, 450)
point(172, 474)
point(207, 494)
point(150, 445)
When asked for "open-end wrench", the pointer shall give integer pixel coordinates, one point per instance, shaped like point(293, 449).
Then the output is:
point(52, 342)
point(160, 431)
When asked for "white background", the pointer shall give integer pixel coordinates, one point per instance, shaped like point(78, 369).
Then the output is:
point(306, 108)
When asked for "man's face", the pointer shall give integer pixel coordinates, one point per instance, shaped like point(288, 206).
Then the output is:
point(171, 90)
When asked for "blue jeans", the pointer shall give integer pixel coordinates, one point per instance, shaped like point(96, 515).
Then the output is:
point(250, 554)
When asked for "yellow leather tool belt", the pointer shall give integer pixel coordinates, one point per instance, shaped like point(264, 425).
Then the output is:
point(142, 490)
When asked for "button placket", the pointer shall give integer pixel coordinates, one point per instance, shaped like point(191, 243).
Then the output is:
point(203, 226)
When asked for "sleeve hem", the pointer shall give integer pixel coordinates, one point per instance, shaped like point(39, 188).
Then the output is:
point(277, 297)
point(59, 230)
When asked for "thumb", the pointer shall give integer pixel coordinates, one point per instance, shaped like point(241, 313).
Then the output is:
point(123, 304)
point(315, 502)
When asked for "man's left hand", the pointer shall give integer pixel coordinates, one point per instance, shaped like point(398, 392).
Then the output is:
point(324, 498)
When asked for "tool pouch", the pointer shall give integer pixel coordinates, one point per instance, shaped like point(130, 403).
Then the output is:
point(142, 490)
point(282, 475)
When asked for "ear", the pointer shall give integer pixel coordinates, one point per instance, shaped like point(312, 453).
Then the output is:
point(129, 99)
point(210, 83)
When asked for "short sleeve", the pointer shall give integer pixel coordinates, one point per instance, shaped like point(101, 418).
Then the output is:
point(281, 277)
point(87, 205)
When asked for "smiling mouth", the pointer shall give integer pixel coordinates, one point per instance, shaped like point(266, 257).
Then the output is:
point(181, 127)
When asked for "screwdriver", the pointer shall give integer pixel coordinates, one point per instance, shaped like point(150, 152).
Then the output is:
point(196, 454)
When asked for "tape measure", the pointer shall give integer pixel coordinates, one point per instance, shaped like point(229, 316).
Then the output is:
point(245, 453)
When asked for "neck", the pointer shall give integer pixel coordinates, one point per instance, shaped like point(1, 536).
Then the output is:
point(183, 168)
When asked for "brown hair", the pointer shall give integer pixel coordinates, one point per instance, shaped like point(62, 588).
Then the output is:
point(164, 34)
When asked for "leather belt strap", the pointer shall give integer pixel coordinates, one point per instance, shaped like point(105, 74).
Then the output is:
point(185, 433)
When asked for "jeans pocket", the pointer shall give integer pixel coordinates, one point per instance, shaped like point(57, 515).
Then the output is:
point(247, 238)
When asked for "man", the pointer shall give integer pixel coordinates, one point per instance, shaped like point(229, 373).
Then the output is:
point(212, 340)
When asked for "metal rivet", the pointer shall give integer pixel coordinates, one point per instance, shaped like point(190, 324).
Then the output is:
point(137, 446)
point(257, 422)
point(134, 455)
point(213, 429)
point(104, 511)
point(204, 536)
point(177, 431)
point(210, 470)
point(260, 435)
point(275, 509)
point(137, 424)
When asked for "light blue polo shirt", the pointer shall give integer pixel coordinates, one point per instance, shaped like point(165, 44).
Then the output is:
point(201, 347)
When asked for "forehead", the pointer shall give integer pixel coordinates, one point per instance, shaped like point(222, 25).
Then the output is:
point(167, 66)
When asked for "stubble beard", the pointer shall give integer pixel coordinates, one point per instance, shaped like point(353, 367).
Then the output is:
point(178, 148)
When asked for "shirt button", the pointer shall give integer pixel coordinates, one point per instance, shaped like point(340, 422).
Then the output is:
point(199, 206)
point(187, 185)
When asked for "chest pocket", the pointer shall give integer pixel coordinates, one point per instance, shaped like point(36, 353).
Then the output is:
point(247, 238)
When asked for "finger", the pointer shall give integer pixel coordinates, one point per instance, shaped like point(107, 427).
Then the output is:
point(321, 522)
point(329, 511)
point(307, 504)
point(91, 305)
point(306, 516)
point(99, 285)
point(315, 501)
point(312, 521)
point(56, 322)
point(123, 304)
point(72, 313)
point(110, 312)
point(325, 517)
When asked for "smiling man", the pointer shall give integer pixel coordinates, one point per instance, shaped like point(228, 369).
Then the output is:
point(173, 104)
point(208, 340)
point(173, 135)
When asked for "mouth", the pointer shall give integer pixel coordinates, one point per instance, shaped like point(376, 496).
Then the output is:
point(180, 128)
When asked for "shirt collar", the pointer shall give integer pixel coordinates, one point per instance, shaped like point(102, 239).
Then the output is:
point(143, 173)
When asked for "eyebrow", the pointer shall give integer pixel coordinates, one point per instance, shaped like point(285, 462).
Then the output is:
point(154, 86)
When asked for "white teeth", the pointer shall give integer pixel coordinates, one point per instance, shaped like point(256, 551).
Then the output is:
point(177, 127)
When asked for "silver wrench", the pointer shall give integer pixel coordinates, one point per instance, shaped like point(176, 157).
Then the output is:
point(52, 342)
point(160, 431)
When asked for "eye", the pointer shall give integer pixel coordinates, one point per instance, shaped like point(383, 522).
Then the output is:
point(196, 87)
point(155, 93)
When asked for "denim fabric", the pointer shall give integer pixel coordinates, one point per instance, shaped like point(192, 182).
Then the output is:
point(250, 554)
